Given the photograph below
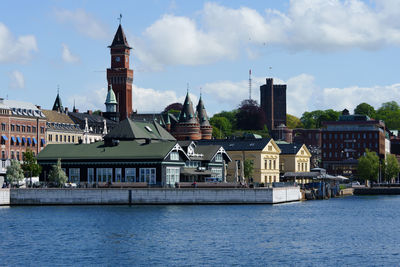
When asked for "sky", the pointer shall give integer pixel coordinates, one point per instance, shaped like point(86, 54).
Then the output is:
point(330, 53)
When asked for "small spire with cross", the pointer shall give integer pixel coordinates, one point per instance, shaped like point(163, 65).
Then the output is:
point(120, 19)
point(200, 91)
point(58, 89)
point(187, 89)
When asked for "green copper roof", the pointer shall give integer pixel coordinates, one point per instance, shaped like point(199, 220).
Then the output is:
point(111, 99)
point(129, 130)
point(129, 150)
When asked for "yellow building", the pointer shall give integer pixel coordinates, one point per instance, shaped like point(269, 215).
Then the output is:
point(262, 152)
point(294, 158)
point(61, 129)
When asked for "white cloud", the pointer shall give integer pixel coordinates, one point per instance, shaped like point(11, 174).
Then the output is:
point(223, 32)
point(83, 22)
point(17, 80)
point(67, 56)
point(14, 49)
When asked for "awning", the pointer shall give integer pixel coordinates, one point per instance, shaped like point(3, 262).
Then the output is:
point(34, 140)
point(29, 141)
point(43, 141)
point(4, 137)
point(24, 139)
point(188, 171)
point(13, 138)
point(19, 140)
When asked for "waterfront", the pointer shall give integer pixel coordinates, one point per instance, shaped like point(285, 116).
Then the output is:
point(357, 230)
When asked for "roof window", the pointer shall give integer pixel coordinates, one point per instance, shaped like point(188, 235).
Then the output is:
point(148, 129)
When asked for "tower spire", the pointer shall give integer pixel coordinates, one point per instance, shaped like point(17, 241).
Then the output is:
point(120, 19)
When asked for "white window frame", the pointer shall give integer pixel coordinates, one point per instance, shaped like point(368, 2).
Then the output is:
point(74, 175)
point(130, 175)
point(172, 175)
point(148, 175)
point(174, 155)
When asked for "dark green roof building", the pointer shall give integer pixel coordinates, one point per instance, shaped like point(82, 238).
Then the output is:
point(132, 152)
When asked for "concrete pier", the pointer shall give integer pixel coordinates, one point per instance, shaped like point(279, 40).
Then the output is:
point(134, 196)
point(4, 197)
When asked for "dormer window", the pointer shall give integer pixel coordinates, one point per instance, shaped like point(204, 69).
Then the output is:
point(218, 158)
point(174, 155)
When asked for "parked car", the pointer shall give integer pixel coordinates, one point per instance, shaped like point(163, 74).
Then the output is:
point(70, 185)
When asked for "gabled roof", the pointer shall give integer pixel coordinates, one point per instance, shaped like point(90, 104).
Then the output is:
point(238, 144)
point(290, 149)
point(207, 151)
point(120, 39)
point(57, 106)
point(131, 130)
point(187, 112)
point(202, 114)
point(79, 118)
point(128, 150)
point(162, 118)
point(55, 116)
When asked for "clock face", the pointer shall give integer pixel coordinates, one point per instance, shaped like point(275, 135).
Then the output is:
point(117, 59)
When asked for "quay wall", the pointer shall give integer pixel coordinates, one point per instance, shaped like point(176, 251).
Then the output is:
point(78, 196)
point(377, 191)
point(4, 197)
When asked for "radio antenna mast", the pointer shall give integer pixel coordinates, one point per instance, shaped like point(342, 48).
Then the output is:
point(249, 83)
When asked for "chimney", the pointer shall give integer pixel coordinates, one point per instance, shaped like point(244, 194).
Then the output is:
point(89, 112)
point(39, 107)
point(77, 110)
point(66, 110)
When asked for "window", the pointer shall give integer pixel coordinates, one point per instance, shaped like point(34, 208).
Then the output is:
point(269, 148)
point(73, 139)
point(330, 136)
point(270, 164)
point(42, 130)
point(3, 126)
point(324, 136)
point(33, 129)
point(148, 175)
point(103, 175)
point(18, 155)
point(217, 173)
point(330, 145)
point(12, 155)
point(90, 175)
point(65, 138)
point(18, 128)
point(274, 163)
point(28, 129)
point(12, 127)
point(69, 138)
point(324, 145)
point(118, 175)
point(56, 138)
point(174, 155)
point(335, 136)
point(218, 157)
point(74, 175)
point(130, 175)
point(3, 154)
point(172, 175)
point(305, 166)
point(298, 166)
point(265, 164)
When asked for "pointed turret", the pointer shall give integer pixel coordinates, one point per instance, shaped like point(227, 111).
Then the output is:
point(188, 127)
point(57, 104)
point(111, 100)
point(111, 105)
point(120, 39)
point(187, 112)
point(205, 127)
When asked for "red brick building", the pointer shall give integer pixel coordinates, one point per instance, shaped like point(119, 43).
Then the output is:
point(23, 126)
point(119, 76)
point(345, 140)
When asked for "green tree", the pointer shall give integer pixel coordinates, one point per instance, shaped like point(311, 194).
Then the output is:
point(222, 127)
point(248, 167)
point(230, 116)
point(389, 112)
point(365, 109)
point(57, 175)
point(314, 119)
point(29, 164)
point(390, 168)
point(368, 166)
point(14, 172)
point(293, 122)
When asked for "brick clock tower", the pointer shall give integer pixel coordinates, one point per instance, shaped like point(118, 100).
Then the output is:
point(119, 76)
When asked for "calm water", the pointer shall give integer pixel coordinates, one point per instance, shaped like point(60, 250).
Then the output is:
point(361, 231)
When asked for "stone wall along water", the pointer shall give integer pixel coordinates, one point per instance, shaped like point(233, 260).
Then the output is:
point(64, 196)
point(4, 197)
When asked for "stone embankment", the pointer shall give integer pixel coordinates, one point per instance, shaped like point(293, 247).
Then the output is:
point(377, 191)
point(4, 197)
point(114, 196)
